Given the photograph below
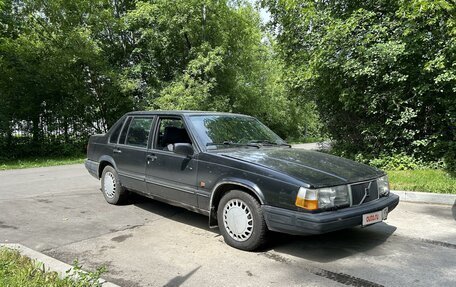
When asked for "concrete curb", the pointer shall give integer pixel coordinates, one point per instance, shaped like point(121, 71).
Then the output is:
point(426, 197)
point(50, 264)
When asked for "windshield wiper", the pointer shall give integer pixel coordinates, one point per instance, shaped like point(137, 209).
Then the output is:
point(230, 143)
point(268, 142)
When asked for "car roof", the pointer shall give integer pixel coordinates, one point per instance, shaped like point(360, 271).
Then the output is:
point(182, 113)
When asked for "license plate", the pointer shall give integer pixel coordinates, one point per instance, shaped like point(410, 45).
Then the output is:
point(374, 217)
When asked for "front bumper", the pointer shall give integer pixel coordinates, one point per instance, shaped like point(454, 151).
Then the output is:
point(300, 223)
point(92, 167)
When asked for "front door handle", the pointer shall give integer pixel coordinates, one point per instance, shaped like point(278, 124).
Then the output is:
point(150, 158)
point(116, 150)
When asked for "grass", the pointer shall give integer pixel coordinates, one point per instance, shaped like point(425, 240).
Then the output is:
point(426, 180)
point(21, 271)
point(39, 162)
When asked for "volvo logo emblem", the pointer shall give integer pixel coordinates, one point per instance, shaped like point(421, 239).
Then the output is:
point(367, 189)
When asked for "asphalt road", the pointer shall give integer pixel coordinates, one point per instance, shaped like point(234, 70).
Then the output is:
point(61, 212)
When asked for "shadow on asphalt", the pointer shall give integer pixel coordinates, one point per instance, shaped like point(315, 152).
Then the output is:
point(175, 213)
point(320, 248)
point(179, 280)
point(335, 245)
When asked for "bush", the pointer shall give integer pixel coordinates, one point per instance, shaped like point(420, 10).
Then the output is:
point(25, 147)
point(396, 162)
point(400, 161)
point(381, 73)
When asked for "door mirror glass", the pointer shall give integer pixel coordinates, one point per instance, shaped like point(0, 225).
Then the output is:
point(185, 149)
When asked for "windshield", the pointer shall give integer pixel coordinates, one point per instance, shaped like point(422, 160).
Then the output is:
point(232, 130)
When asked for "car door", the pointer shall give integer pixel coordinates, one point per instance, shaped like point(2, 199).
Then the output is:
point(131, 151)
point(169, 175)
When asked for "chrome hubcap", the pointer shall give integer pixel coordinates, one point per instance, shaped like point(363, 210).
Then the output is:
point(238, 219)
point(109, 186)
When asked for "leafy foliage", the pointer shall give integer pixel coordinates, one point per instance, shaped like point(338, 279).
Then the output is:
point(400, 162)
point(382, 73)
point(18, 270)
point(71, 68)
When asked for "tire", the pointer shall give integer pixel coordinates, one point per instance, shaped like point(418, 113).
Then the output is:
point(241, 221)
point(112, 190)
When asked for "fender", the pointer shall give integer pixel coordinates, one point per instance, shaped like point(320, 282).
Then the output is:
point(253, 187)
point(108, 159)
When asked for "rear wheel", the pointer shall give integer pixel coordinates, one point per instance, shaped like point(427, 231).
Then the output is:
point(113, 191)
point(241, 221)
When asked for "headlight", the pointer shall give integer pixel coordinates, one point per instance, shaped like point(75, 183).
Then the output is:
point(383, 186)
point(312, 199)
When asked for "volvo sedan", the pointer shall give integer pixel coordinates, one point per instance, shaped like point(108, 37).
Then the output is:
point(238, 172)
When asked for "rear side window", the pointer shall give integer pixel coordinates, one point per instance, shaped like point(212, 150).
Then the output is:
point(115, 134)
point(123, 135)
point(138, 133)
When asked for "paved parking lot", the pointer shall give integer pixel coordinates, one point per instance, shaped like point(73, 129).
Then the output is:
point(60, 211)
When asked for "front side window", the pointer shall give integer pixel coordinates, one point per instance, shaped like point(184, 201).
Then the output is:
point(171, 131)
point(138, 132)
point(222, 130)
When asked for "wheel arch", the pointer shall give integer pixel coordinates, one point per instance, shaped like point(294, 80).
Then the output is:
point(104, 161)
point(226, 185)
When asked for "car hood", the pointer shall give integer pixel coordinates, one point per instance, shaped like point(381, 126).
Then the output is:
point(314, 168)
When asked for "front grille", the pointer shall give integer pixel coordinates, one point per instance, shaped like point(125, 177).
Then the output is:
point(359, 190)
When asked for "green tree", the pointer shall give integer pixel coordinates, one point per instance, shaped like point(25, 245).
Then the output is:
point(209, 55)
point(72, 68)
point(382, 73)
point(59, 70)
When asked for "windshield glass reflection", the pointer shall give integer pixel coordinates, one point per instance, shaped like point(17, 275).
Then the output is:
point(223, 131)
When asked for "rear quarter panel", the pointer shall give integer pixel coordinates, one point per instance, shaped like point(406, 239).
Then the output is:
point(97, 147)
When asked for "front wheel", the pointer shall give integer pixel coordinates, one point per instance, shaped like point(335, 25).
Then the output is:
point(241, 221)
point(113, 191)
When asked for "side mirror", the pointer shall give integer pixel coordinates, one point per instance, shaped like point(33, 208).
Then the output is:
point(185, 149)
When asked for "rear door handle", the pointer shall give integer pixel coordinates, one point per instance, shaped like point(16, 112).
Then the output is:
point(116, 150)
point(151, 157)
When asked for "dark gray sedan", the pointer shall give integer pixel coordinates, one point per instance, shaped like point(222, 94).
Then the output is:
point(238, 172)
